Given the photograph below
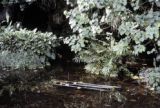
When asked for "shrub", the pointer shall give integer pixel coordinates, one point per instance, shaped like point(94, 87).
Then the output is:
point(104, 30)
point(151, 77)
point(23, 54)
point(24, 48)
point(17, 60)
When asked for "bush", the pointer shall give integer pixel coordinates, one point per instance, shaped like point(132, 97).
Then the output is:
point(19, 60)
point(151, 77)
point(104, 30)
point(23, 54)
point(23, 48)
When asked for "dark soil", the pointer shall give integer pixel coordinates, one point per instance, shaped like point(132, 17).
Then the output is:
point(48, 96)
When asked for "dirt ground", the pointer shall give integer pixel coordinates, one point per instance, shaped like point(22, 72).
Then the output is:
point(44, 96)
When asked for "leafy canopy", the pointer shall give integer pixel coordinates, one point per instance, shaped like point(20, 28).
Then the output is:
point(104, 30)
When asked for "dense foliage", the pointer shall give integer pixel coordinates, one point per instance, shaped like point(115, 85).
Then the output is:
point(151, 77)
point(103, 33)
point(23, 48)
point(104, 30)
